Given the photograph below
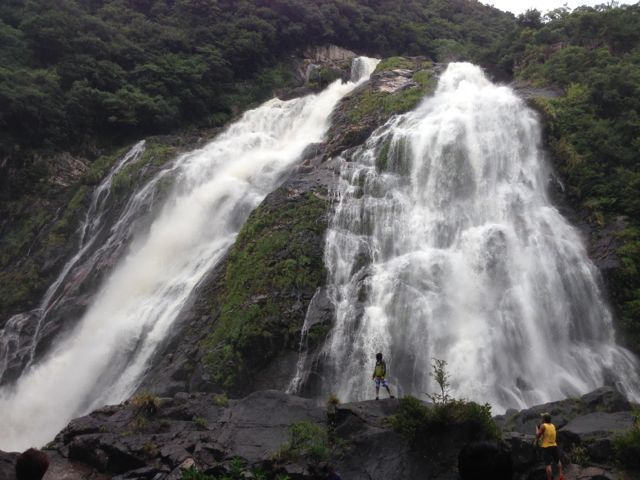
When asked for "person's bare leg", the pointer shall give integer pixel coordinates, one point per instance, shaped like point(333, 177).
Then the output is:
point(561, 477)
point(549, 473)
point(377, 392)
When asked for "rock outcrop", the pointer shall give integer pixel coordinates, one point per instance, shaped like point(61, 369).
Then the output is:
point(215, 435)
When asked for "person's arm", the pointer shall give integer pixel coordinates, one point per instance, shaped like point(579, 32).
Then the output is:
point(539, 430)
point(373, 376)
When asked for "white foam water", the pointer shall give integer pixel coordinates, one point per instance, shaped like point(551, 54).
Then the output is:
point(445, 245)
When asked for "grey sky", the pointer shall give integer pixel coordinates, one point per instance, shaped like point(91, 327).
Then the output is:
point(520, 6)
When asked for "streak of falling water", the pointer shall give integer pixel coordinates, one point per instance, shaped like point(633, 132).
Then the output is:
point(12, 333)
point(217, 187)
point(445, 245)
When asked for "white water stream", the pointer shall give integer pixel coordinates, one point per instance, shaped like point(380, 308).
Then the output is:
point(444, 245)
point(103, 359)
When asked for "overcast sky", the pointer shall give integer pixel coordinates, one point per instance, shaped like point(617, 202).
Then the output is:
point(520, 6)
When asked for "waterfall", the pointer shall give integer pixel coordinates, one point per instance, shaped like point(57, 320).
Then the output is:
point(444, 244)
point(103, 358)
point(16, 345)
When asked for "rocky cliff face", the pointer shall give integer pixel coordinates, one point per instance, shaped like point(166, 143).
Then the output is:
point(252, 307)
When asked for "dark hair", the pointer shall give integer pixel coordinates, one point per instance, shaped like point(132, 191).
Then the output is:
point(546, 417)
point(378, 356)
point(31, 465)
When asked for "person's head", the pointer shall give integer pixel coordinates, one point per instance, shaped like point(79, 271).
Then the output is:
point(378, 356)
point(546, 417)
point(31, 465)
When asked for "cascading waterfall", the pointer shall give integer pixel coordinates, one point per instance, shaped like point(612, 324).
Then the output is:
point(444, 245)
point(79, 266)
point(102, 360)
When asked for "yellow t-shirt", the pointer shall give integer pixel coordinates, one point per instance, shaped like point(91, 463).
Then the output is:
point(548, 436)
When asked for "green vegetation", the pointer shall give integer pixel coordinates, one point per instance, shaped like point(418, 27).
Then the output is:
point(441, 376)
point(146, 403)
point(374, 102)
point(74, 71)
point(419, 423)
point(593, 54)
point(627, 446)
point(200, 422)
point(140, 423)
point(274, 261)
point(221, 400)
point(308, 441)
point(424, 425)
point(579, 455)
point(233, 474)
point(37, 228)
point(150, 449)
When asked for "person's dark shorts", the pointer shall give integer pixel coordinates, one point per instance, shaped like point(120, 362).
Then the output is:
point(550, 455)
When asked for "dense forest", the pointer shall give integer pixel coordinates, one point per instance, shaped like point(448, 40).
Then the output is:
point(80, 75)
point(78, 71)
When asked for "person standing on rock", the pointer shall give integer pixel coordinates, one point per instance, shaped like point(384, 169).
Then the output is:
point(379, 374)
point(546, 435)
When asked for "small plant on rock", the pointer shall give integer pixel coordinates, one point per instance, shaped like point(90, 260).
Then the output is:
point(220, 400)
point(627, 446)
point(146, 403)
point(140, 423)
point(150, 449)
point(333, 401)
point(200, 422)
point(579, 455)
point(193, 474)
point(441, 376)
point(308, 440)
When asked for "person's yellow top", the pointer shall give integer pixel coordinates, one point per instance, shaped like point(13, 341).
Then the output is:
point(548, 436)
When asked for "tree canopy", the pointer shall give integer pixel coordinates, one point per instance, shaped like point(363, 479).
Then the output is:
point(74, 70)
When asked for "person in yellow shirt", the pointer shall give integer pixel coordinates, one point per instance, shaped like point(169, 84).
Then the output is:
point(379, 373)
point(546, 435)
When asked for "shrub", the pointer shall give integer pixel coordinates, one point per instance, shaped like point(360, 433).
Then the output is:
point(221, 400)
point(417, 422)
point(579, 455)
point(146, 403)
point(627, 446)
point(150, 449)
point(441, 376)
point(193, 474)
point(140, 423)
point(200, 422)
point(307, 440)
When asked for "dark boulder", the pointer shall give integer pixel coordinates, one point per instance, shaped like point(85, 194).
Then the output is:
point(596, 431)
point(7, 465)
point(484, 460)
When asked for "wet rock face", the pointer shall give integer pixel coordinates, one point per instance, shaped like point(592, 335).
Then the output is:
point(187, 363)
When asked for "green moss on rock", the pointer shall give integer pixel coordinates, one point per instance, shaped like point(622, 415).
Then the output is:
point(274, 267)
